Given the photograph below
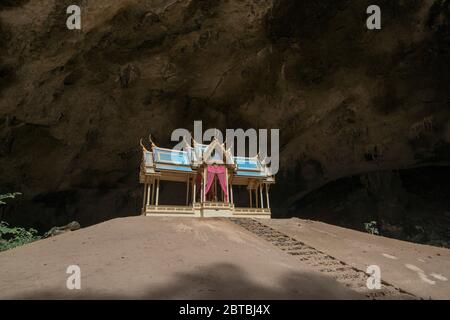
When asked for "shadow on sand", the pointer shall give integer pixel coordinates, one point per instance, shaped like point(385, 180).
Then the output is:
point(217, 281)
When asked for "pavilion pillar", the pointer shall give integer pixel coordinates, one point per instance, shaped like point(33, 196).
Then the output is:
point(152, 196)
point(231, 194)
point(201, 186)
point(144, 200)
point(194, 191)
point(250, 197)
point(256, 198)
point(157, 193)
point(204, 184)
point(261, 195)
point(228, 189)
point(187, 190)
point(148, 187)
point(267, 196)
point(216, 198)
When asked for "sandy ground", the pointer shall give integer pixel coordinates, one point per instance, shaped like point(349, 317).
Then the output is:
point(162, 258)
point(419, 269)
point(177, 258)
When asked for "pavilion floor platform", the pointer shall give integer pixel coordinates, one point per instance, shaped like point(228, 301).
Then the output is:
point(207, 210)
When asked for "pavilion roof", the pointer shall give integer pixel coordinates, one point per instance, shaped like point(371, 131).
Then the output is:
point(162, 159)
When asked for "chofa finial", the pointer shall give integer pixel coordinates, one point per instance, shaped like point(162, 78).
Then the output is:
point(152, 144)
point(142, 145)
point(151, 140)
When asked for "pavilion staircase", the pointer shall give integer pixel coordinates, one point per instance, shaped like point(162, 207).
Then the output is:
point(349, 276)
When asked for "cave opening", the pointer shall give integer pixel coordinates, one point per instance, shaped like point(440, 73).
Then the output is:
point(408, 204)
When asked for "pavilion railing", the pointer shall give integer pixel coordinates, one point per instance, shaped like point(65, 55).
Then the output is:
point(251, 211)
point(190, 210)
point(217, 205)
point(170, 209)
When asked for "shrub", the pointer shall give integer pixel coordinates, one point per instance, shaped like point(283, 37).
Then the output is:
point(8, 196)
point(371, 227)
point(11, 237)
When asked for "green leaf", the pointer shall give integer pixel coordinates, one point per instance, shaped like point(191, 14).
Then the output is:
point(8, 196)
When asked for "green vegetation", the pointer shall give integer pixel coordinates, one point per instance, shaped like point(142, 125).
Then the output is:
point(371, 227)
point(11, 237)
point(8, 196)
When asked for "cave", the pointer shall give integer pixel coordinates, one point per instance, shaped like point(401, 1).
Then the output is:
point(407, 204)
point(348, 103)
point(96, 195)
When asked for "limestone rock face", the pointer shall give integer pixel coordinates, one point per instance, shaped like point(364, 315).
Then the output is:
point(348, 101)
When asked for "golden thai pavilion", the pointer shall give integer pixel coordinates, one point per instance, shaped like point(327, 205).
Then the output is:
point(214, 182)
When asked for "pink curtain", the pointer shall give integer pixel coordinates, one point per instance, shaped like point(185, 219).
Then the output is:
point(223, 184)
point(220, 171)
point(209, 182)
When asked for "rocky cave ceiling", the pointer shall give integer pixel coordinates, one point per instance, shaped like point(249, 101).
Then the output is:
point(347, 101)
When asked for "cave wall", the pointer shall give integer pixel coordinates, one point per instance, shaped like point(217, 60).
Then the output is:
point(411, 204)
point(347, 100)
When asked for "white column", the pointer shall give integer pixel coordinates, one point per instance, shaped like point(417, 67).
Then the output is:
point(267, 196)
point(201, 186)
point(204, 184)
point(152, 199)
point(148, 194)
point(194, 193)
point(144, 200)
point(228, 189)
point(201, 190)
point(250, 197)
point(231, 194)
point(187, 190)
point(216, 196)
point(157, 193)
point(261, 195)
